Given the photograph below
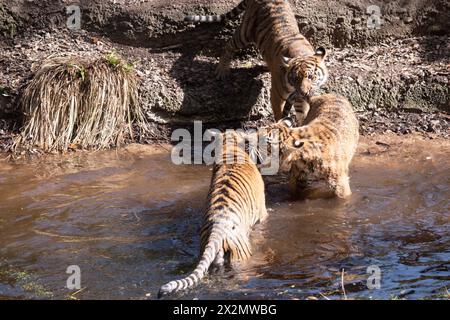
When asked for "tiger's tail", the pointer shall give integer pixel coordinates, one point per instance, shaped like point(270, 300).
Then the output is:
point(219, 18)
point(209, 254)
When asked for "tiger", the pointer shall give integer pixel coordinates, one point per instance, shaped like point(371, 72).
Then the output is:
point(270, 25)
point(235, 203)
point(322, 148)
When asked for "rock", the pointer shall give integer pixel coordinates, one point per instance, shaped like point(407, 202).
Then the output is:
point(303, 24)
point(126, 25)
point(321, 26)
point(340, 20)
point(371, 106)
point(360, 80)
point(408, 20)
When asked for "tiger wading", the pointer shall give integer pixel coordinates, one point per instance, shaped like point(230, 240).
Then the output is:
point(235, 203)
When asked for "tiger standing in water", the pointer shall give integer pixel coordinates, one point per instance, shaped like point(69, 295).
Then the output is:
point(235, 203)
point(323, 148)
point(295, 66)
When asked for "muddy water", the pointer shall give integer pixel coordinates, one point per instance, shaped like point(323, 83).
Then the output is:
point(130, 221)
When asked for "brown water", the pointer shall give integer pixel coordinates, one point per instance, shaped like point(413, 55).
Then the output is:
point(130, 221)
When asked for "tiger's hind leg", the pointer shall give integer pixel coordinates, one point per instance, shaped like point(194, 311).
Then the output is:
point(219, 260)
point(218, 265)
point(234, 44)
point(263, 214)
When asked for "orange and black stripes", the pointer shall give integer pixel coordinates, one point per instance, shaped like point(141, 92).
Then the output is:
point(235, 203)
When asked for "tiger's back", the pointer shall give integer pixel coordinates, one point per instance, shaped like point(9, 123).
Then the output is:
point(332, 121)
point(272, 27)
point(235, 203)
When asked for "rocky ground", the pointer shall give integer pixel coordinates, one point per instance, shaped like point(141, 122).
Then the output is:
point(397, 77)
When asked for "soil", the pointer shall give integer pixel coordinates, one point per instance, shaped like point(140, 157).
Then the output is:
point(397, 77)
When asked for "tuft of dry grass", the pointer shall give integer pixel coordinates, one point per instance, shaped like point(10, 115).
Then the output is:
point(77, 102)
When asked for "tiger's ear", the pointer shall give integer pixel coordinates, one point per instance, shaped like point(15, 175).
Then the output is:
point(287, 122)
point(285, 61)
point(320, 53)
point(211, 134)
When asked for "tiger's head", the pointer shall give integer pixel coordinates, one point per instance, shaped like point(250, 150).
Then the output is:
point(285, 140)
point(306, 74)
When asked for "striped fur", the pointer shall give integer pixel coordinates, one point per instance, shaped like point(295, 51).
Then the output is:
point(235, 203)
point(295, 66)
point(321, 149)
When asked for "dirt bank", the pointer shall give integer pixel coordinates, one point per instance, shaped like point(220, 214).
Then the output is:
point(152, 23)
point(397, 77)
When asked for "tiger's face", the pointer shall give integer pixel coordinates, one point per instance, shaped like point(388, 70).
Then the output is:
point(305, 74)
point(288, 140)
point(282, 140)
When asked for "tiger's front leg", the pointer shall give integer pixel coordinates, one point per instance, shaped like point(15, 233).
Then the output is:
point(287, 109)
point(301, 106)
point(234, 44)
point(293, 185)
point(277, 103)
point(298, 181)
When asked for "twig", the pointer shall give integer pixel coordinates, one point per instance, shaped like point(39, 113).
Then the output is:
point(174, 46)
point(342, 284)
point(72, 296)
point(324, 296)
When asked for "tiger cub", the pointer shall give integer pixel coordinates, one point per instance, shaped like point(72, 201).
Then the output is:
point(270, 25)
point(235, 203)
point(323, 148)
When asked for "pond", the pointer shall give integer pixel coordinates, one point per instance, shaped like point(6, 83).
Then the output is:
point(130, 220)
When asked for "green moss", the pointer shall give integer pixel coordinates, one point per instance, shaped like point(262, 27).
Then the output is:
point(434, 96)
point(37, 290)
point(395, 96)
point(113, 59)
point(12, 30)
point(25, 281)
point(116, 62)
point(127, 67)
point(8, 23)
point(81, 71)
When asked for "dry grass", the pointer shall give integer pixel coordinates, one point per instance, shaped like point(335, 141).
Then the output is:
point(76, 102)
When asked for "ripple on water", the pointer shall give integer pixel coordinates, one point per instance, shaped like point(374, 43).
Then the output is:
point(131, 221)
